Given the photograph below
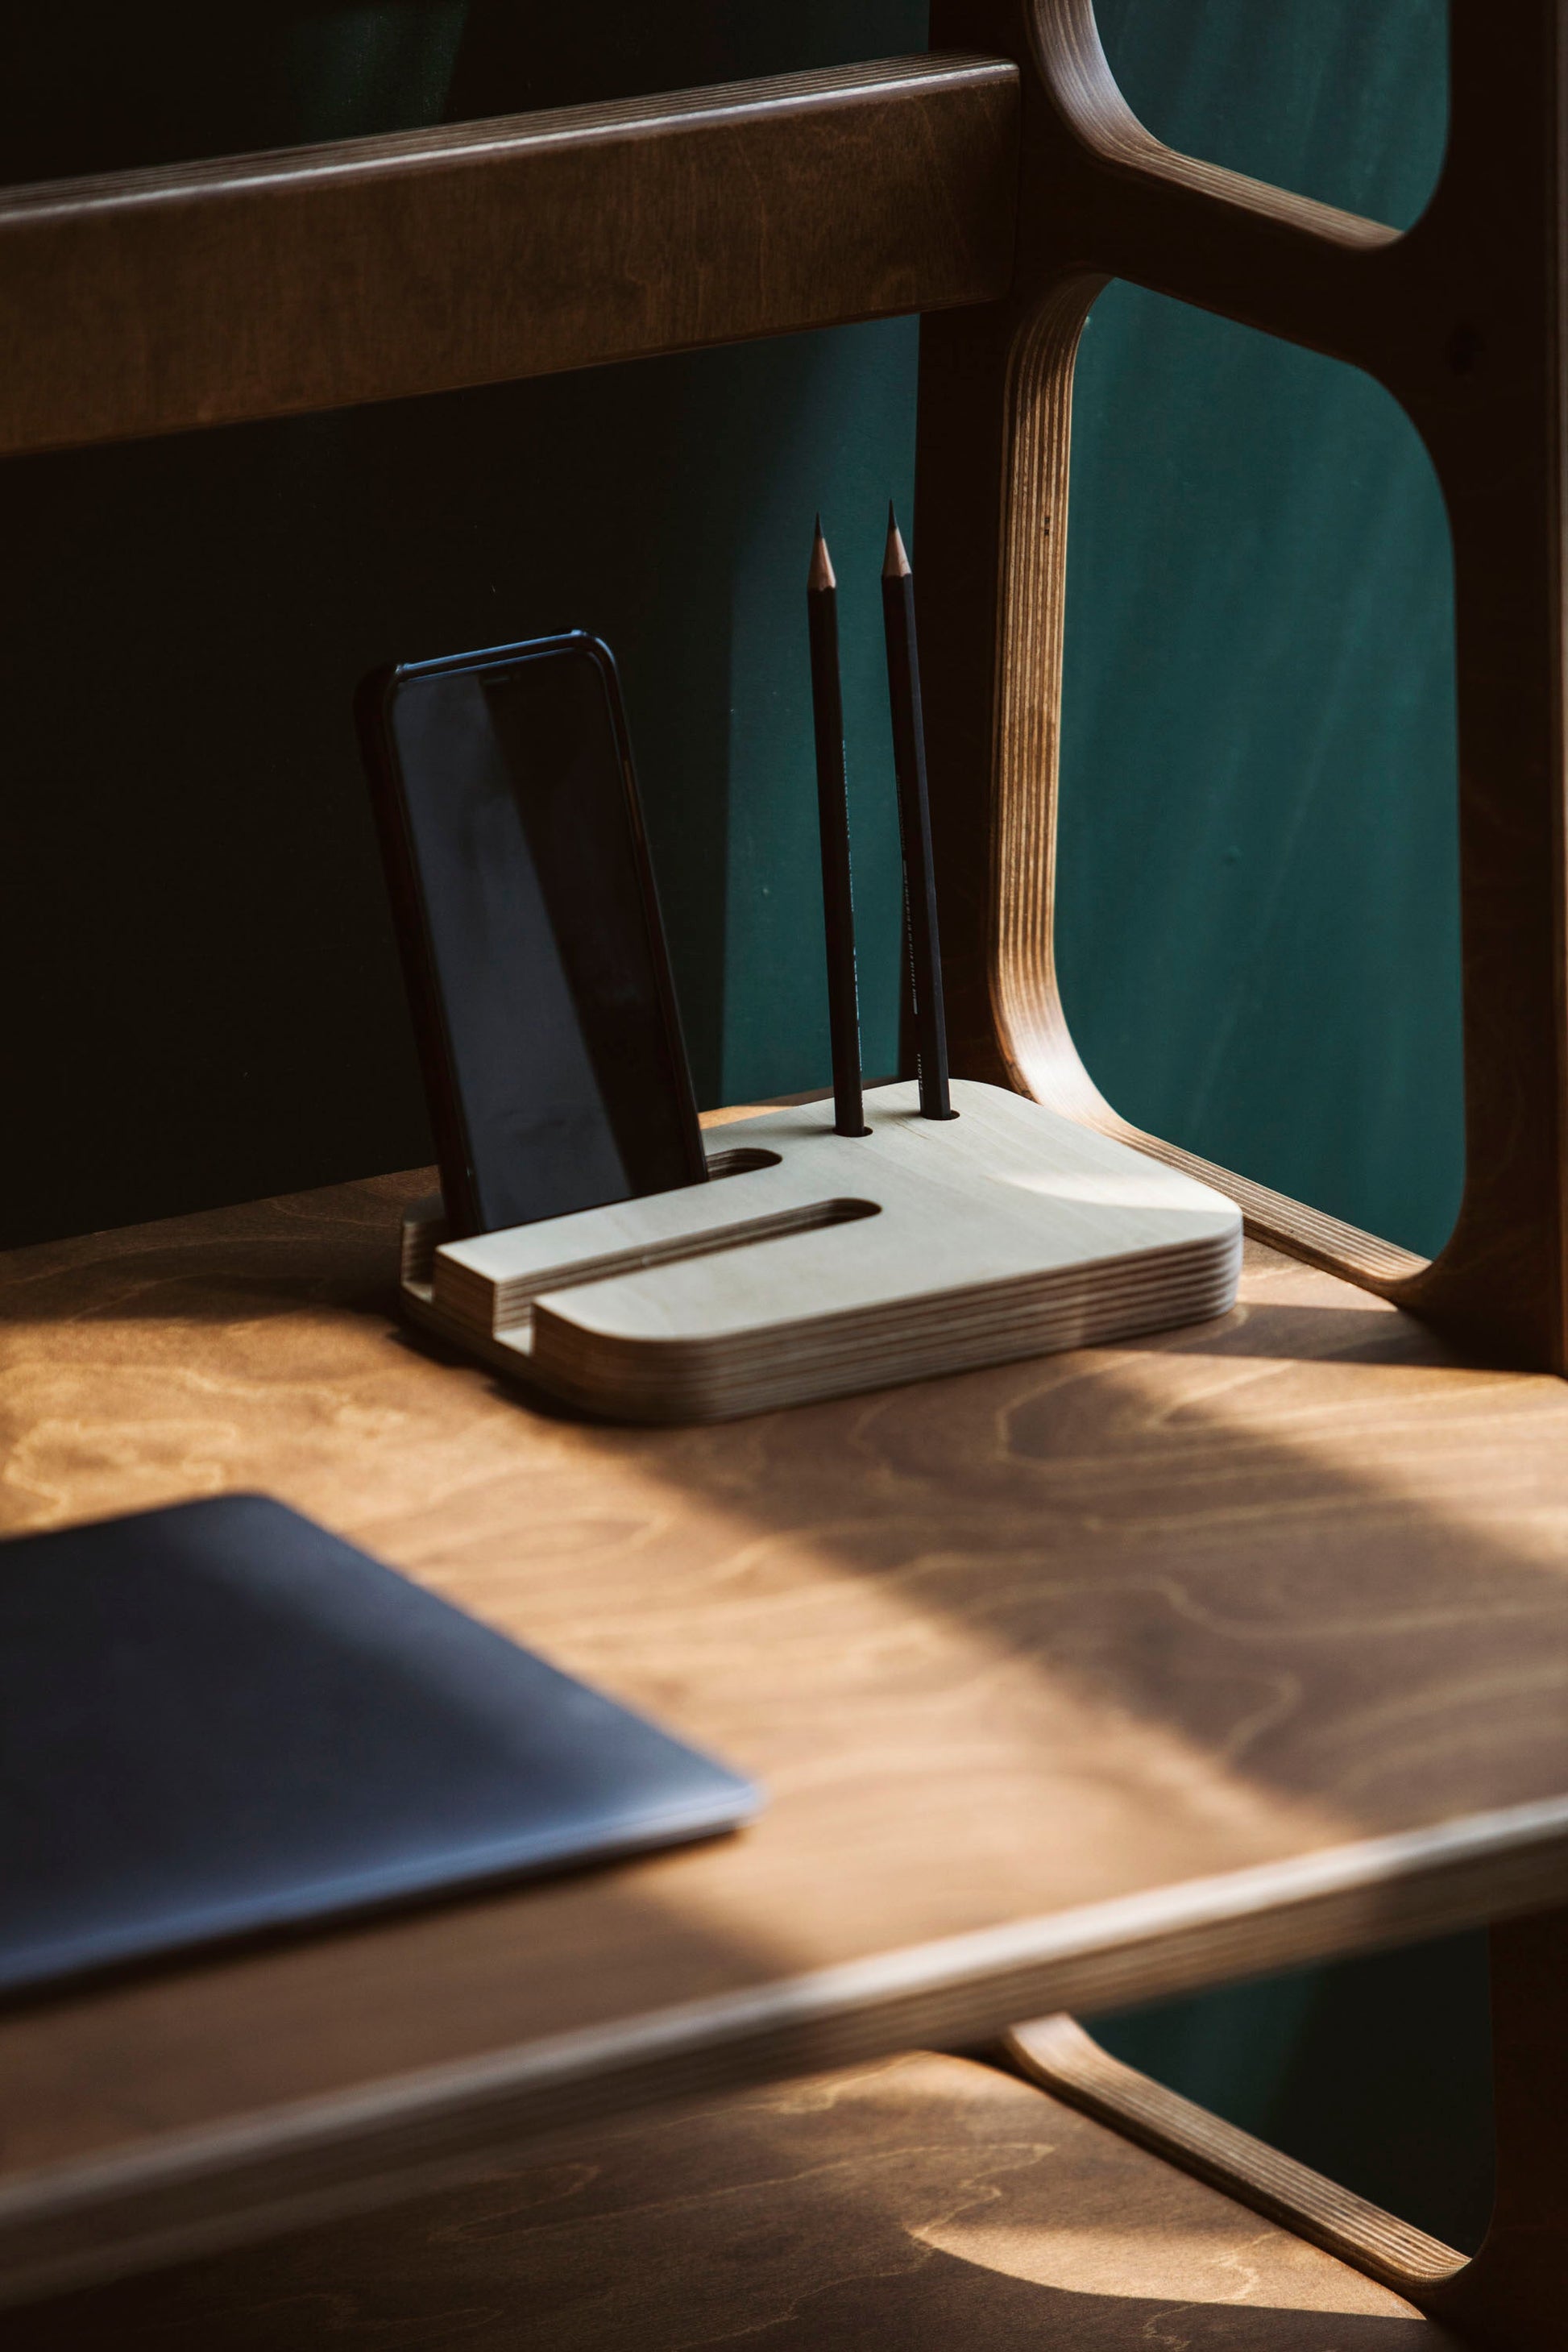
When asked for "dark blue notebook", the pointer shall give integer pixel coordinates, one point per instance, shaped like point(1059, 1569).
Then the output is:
point(219, 1719)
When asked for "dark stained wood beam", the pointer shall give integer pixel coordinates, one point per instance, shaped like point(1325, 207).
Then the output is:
point(315, 277)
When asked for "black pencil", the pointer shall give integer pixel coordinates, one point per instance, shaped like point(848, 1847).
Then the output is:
point(833, 818)
point(914, 825)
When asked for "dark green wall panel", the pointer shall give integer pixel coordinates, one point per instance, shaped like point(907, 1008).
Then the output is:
point(1259, 917)
point(1376, 2072)
point(192, 917)
point(1346, 101)
point(1259, 911)
point(1259, 884)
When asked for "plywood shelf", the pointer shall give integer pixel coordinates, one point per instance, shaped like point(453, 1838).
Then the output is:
point(1074, 1682)
point(927, 2203)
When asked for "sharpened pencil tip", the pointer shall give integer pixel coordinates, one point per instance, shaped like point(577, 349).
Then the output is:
point(822, 575)
point(895, 562)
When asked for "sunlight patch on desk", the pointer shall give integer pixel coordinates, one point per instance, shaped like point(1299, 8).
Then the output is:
point(1148, 2258)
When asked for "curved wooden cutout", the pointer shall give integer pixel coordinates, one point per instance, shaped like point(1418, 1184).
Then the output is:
point(1057, 2053)
point(1458, 318)
point(1513, 2296)
point(1031, 1024)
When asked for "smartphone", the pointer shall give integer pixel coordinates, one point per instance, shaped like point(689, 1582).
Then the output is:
point(529, 927)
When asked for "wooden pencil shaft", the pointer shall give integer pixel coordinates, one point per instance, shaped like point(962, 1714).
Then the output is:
point(838, 902)
point(914, 830)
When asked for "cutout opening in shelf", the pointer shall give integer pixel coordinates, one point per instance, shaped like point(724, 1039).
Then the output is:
point(1342, 100)
point(1257, 916)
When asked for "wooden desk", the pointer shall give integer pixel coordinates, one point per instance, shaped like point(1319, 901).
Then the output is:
point(1075, 1682)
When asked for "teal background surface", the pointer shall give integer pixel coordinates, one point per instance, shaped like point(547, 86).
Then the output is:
point(1345, 102)
point(1259, 931)
point(1258, 911)
point(213, 1009)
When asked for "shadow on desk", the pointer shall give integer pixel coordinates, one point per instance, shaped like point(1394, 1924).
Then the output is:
point(1062, 1633)
point(924, 2205)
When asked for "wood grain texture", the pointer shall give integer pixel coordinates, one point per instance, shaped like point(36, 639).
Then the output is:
point(1459, 318)
point(926, 2203)
point(836, 1263)
point(1514, 2296)
point(266, 285)
point(1057, 2053)
point(1073, 1683)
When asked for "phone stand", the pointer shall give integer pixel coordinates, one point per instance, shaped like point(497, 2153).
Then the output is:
point(824, 1263)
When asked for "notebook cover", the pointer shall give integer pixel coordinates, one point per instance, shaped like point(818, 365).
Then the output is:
point(217, 1718)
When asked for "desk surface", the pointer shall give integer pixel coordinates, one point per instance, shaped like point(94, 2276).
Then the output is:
point(1074, 1682)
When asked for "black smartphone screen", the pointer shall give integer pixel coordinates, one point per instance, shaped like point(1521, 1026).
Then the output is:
point(547, 1024)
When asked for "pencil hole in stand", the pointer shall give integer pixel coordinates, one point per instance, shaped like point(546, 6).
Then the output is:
point(740, 1162)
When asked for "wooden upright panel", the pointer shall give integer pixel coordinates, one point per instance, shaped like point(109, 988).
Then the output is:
point(1460, 319)
point(258, 286)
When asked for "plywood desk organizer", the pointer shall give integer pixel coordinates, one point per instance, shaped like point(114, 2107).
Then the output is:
point(996, 185)
point(824, 1263)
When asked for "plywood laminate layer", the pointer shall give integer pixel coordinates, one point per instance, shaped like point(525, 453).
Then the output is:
point(1073, 1682)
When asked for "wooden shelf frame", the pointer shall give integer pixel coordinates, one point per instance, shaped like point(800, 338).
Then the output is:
point(1510, 2295)
point(1460, 318)
point(994, 187)
point(255, 286)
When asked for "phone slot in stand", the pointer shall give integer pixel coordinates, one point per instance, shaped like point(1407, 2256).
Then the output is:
point(921, 1228)
point(1007, 1231)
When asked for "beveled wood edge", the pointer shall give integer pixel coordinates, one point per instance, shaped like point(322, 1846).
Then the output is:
point(194, 2192)
point(1293, 1226)
point(226, 191)
point(302, 279)
point(1057, 2052)
point(398, 153)
point(1071, 62)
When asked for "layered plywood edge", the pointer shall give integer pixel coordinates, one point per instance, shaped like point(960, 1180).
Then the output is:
point(1057, 2053)
point(823, 1263)
point(1512, 2296)
point(1460, 317)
